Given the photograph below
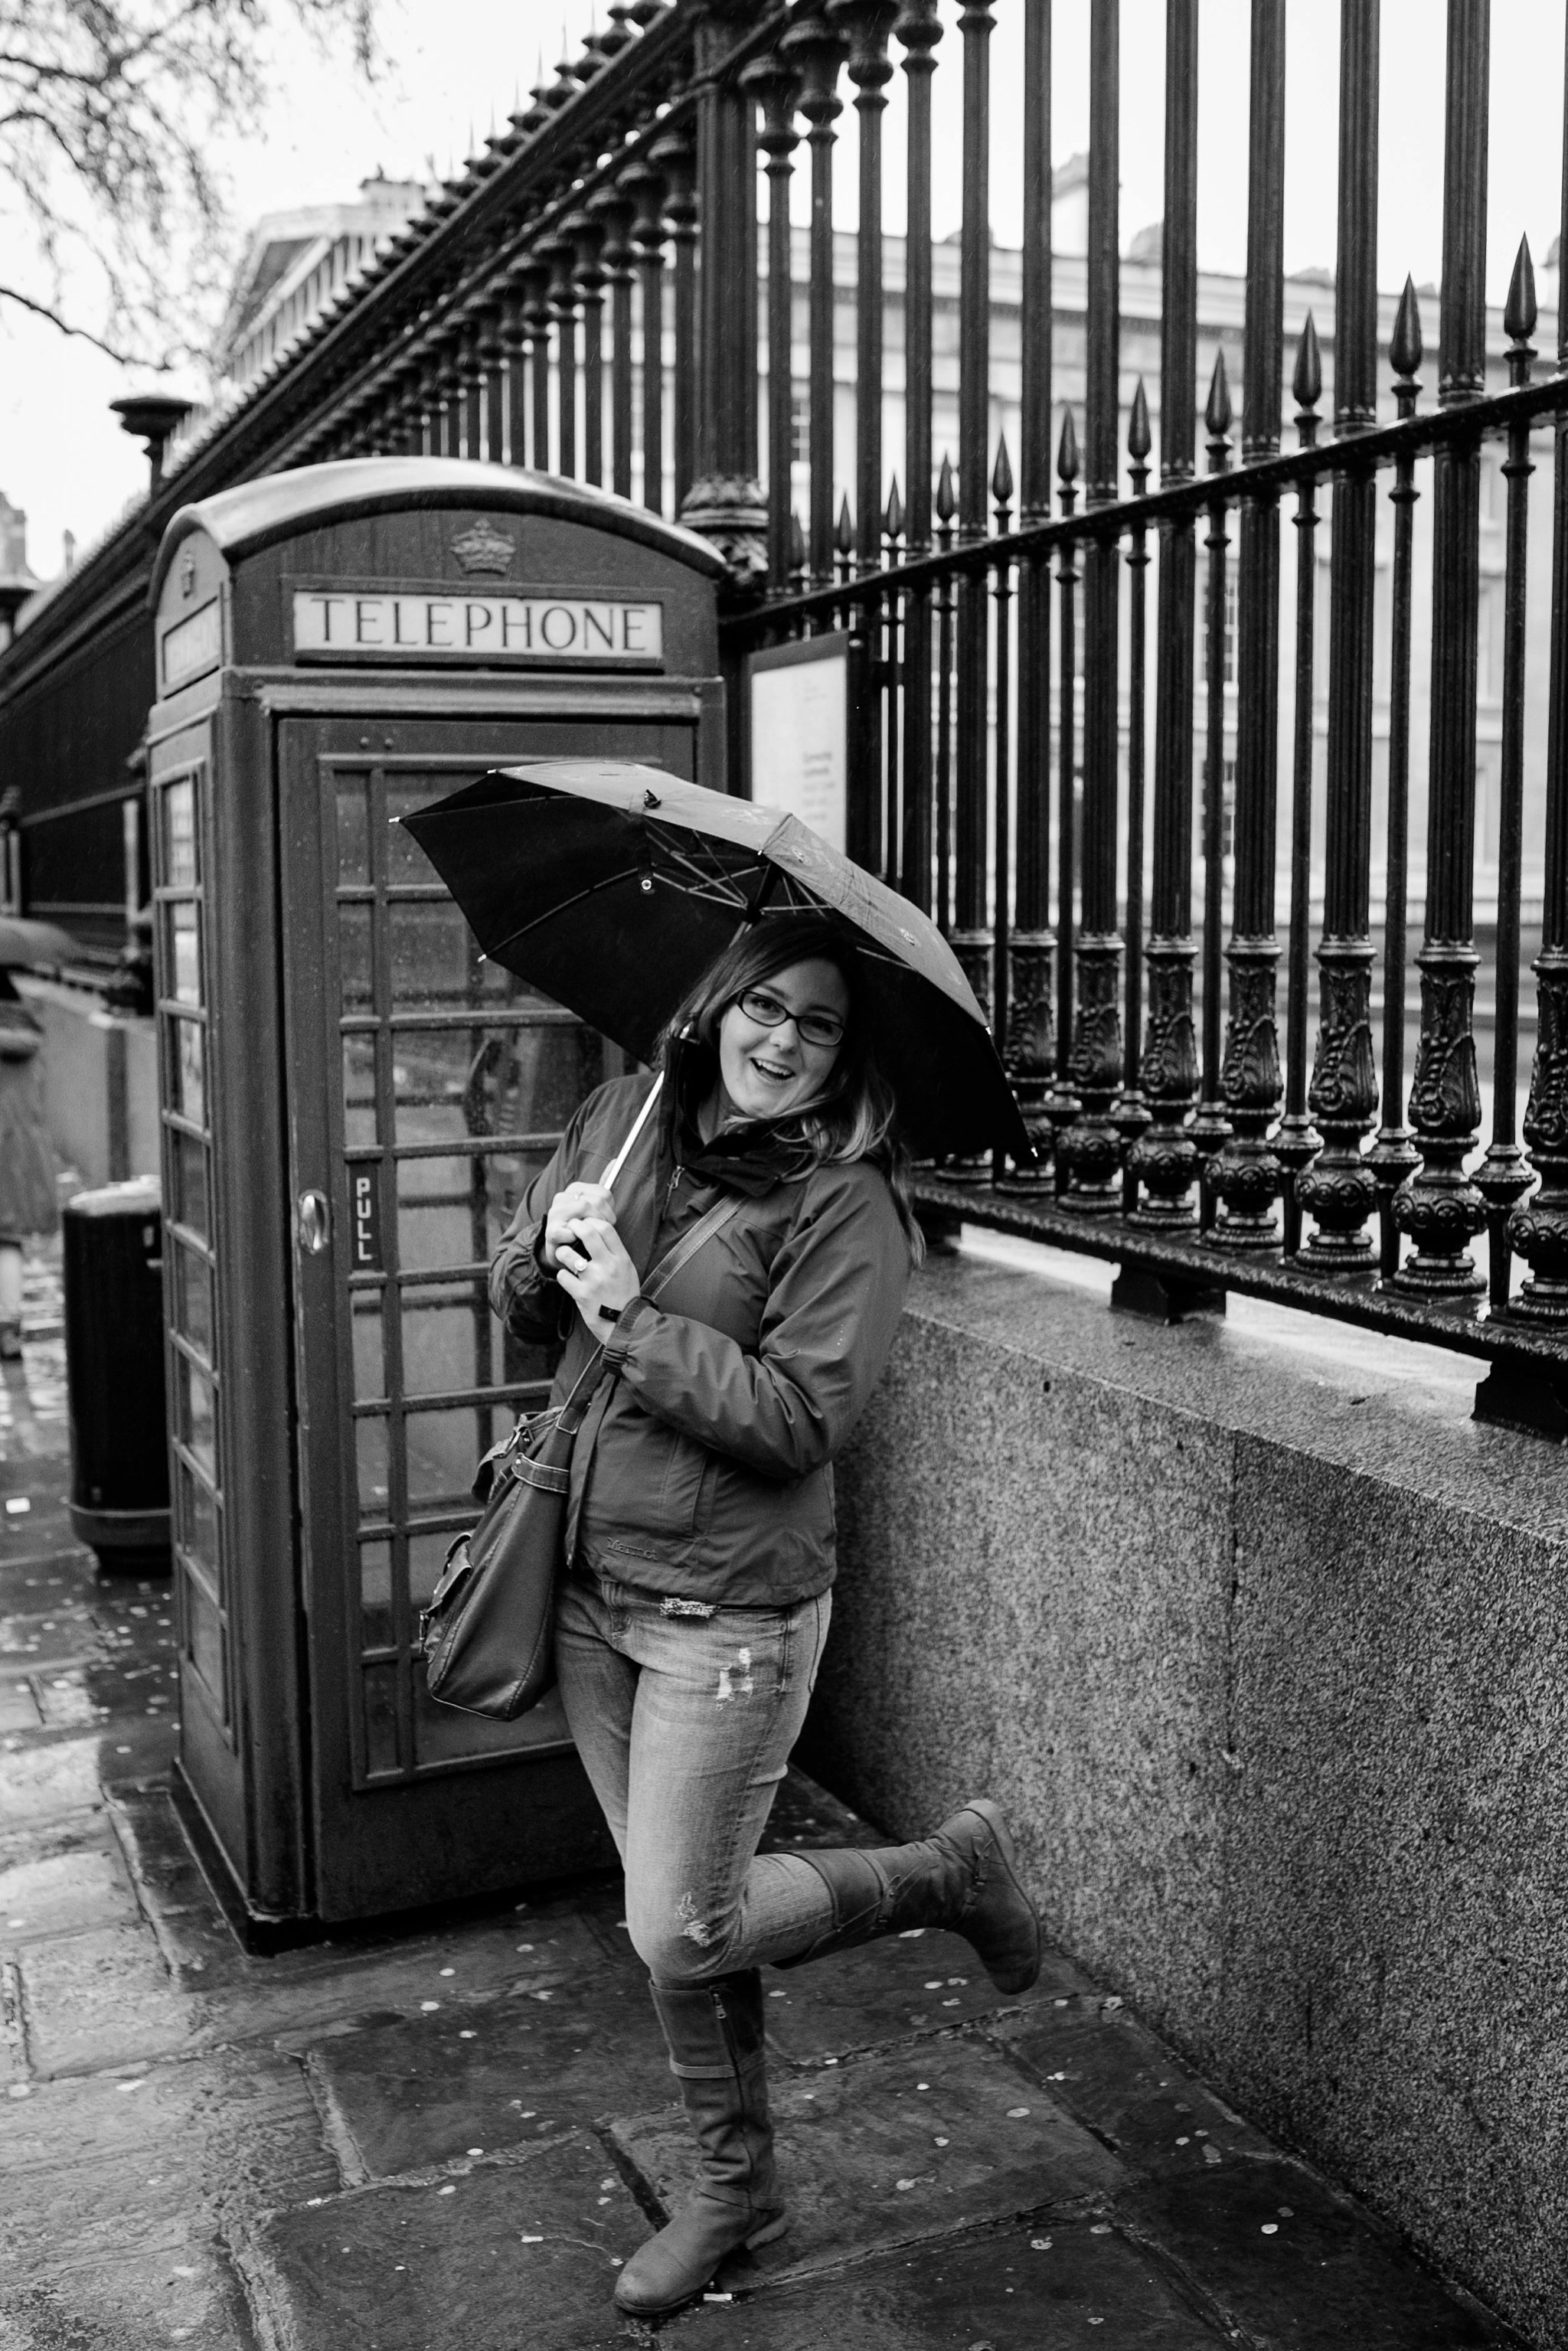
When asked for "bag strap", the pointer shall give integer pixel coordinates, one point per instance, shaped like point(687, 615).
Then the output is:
point(574, 1411)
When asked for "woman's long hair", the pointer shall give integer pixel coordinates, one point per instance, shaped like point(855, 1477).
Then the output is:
point(856, 1115)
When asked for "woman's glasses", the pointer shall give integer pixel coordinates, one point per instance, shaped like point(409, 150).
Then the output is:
point(819, 1029)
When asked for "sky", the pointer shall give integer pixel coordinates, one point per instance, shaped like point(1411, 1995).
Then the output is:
point(454, 66)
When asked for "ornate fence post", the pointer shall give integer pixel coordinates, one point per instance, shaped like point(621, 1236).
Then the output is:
point(725, 500)
point(1131, 1109)
point(1210, 1127)
point(1393, 1155)
point(1061, 1105)
point(1246, 1175)
point(1030, 1044)
point(1338, 1189)
point(1164, 1160)
point(918, 29)
point(1090, 1148)
point(971, 932)
point(1438, 1205)
point(816, 50)
point(1505, 1175)
point(777, 88)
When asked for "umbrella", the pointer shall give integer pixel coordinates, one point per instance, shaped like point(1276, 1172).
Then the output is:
point(25, 942)
point(611, 887)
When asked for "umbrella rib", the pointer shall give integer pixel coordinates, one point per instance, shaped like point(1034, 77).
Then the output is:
point(561, 906)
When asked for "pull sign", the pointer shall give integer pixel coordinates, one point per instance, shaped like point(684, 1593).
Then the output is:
point(365, 1198)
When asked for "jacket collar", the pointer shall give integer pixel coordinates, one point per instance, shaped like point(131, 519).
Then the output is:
point(751, 1157)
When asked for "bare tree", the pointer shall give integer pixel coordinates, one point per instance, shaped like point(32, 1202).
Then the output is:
point(114, 221)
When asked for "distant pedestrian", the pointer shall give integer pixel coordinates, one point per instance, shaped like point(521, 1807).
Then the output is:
point(701, 1535)
point(28, 1201)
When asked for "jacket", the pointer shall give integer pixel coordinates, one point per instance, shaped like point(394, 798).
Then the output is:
point(704, 1469)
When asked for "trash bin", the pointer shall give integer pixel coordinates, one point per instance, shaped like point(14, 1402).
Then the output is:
point(114, 1374)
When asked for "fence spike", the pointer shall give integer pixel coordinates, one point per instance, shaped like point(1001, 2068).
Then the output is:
point(1218, 413)
point(1002, 475)
point(1307, 384)
point(1140, 441)
point(1067, 450)
point(893, 520)
point(1518, 313)
point(947, 502)
point(844, 535)
point(1405, 348)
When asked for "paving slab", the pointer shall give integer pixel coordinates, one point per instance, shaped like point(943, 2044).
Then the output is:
point(52, 1894)
point(1294, 2267)
point(512, 2256)
point(1126, 2087)
point(101, 1998)
point(920, 1982)
point(1056, 2288)
point(901, 2145)
point(164, 2283)
point(410, 2093)
point(42, 1781)
point(91, 2161)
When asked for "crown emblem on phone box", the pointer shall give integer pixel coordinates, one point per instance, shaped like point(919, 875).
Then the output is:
point(482, 548)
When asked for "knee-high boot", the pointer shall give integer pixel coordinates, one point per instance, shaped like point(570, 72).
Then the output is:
point(718, 2056)
point(962, 1876)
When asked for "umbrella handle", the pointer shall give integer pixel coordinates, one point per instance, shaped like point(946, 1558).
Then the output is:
point(616, 1164)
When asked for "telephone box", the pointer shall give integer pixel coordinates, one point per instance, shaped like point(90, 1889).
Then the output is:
point(353, 1099)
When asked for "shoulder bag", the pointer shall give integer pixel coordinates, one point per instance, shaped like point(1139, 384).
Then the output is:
point(486, 1633)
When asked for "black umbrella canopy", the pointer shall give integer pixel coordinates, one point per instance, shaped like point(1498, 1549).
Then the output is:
point(613, 886)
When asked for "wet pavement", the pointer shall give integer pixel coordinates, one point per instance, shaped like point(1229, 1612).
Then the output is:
point(446, 2137)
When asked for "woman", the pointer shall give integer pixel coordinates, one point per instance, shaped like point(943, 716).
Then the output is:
point(700, 1524)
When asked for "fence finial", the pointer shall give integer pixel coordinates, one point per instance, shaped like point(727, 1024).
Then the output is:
point(1002, 476)
point(1405, 349)
point(1067, 452)
point(1218, 413)
point(1307, 384)
point(946, 503)
point(1518, 312)
point(1140, 441)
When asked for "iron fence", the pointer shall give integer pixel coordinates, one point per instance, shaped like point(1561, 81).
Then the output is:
point(586, 298)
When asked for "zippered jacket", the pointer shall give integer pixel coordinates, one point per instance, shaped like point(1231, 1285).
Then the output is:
point(704, 1469)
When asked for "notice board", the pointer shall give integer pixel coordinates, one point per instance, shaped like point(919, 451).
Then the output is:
point(799, 706)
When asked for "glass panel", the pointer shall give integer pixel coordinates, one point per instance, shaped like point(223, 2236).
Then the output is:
point(195, 1422)
point(380, 1718)
point(198, 1521)
point(187, 1087)
point(181, 869)
point(453, 1082)
point(184, 946)
point(359, 1122)
point(354, 945)
point(194, 1299)
point(204, 1638)
point(353, 832)
point(427, 1558)
point(450, 1340)
point(371, 1448)
point(443, 1453)
point(370, 1371)
point(406, 861)
point(435, 960)
point(442, 1735)
point(190, 1166)
point(453, 1212)
point(376, 1595)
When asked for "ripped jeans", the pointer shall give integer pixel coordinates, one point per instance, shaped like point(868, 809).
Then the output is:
point(684, 1726)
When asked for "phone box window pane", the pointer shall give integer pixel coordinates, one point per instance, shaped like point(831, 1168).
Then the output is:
point(380, 1718)
point(448, 1346)
point(184, 939)
point(426, 1564)
point(449, 1084)
point(406, 861)
point(443, 1452)
point(196, 1421)
point(198, 1521)
point(375, 1483)
point(355, 942)
point(204, 1639)
point(435, 961)
point(376, 1595)
point(353, 834)
point(180, 870)
point(369, 1371)
point(187, 1074)
point(194, 1299)
point(190, 1158)
point(360, 1124)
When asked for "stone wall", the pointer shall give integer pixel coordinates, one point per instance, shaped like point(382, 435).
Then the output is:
point(1263, 1644)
